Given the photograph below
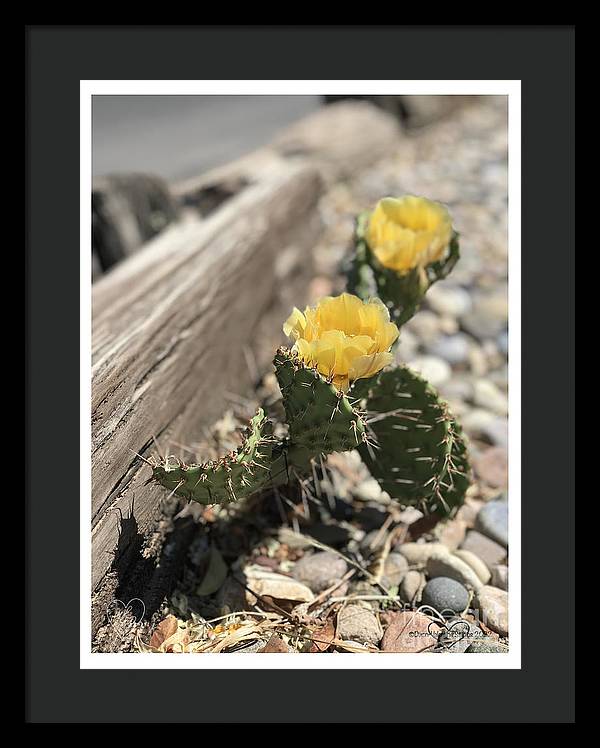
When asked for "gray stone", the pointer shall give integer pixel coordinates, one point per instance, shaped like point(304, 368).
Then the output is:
point(320, 570)
point(451, 300)
point(490, 552)
point(446, 565)
point(419, 553)
point(481, 424)
point(425, 325)
point(476, 564)
point(488, 317)
point(408, 345)
point(457, 389)
point(452, 348)
point(500, 577)
point(492, 466)
point(492, 605)
point(394, 570)
point(486, 645)
point(359, 624)
point(487, 395)
point(445, 594)
point(432, 368)
point(492, 521)
point(451, 533)
point(411, 587)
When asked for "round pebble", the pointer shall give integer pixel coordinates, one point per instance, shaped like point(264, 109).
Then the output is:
point(359, 624)
point(446, 565)
point(452, 348)
point(411, 587)
point(447, 299)
point(425, 325)
point(320, 570)
point(435, 370)
point(493, 608)
point(492, 466)
point(445, 594)
point(487, 395)
point(476, 564)
point(490, 552)
point(492, 521)
point(419, 553)
point(500, 577)
point(394, 569)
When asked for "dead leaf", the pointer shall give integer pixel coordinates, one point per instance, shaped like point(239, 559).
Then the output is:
point(165, 629)
point(323, 637)
point(275, 644)
point(216, 573)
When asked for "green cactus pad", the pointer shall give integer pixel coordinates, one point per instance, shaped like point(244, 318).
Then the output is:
point(402, 294)
point(420, 457)
point(237, 475)
point(320, 417)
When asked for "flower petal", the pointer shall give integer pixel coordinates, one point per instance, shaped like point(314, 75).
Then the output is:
point(295, 324)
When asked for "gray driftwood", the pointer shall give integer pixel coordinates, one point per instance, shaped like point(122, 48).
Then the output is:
point(174, 327)
point(127, 211)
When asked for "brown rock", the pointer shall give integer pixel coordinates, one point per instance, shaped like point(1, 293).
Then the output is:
point(490, 552)
point(275, 644)
point(492, 467)
point(452, 533)
point(359, 624)
point(409, 632)
point(469, 511)
point(493, 609)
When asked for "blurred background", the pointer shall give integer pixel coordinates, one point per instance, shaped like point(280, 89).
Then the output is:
point(140, 144)
point(180, 136)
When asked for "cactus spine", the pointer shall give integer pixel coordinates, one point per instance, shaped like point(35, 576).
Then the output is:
point(320, 420)
point(420, 458)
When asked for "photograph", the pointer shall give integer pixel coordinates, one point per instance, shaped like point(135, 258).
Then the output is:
point(300, 374)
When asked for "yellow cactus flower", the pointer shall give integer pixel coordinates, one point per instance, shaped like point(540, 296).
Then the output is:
point(343, 337)
point(408, 232)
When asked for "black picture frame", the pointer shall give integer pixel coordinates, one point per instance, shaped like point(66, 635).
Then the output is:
point(57, 57)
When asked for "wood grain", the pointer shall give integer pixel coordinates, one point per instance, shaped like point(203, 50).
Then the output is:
point(171, 329)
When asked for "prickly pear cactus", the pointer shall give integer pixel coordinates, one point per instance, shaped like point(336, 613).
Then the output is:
point(401, 293)
point(320, 417)
point(420, 457)
point(236, 475)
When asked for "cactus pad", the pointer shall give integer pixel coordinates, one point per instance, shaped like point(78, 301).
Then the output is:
point(232, 477)
point(320, 417)
point(402, 294)
point(420, 457)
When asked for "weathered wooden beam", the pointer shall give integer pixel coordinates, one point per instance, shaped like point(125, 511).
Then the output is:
point(172, 328)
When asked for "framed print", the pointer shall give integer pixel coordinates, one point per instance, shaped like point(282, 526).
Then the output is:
point(299, 308)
